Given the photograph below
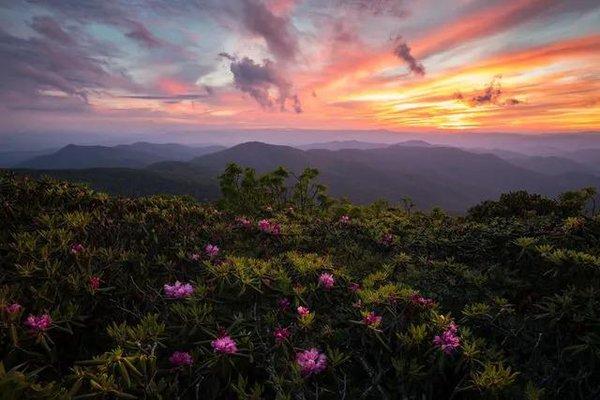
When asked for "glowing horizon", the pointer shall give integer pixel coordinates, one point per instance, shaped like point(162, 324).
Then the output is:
point(511, 66)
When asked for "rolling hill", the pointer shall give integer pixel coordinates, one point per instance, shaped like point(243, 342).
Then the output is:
point(136, 155)
point(430, 175)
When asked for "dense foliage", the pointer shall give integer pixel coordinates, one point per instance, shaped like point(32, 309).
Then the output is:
point(280, 292)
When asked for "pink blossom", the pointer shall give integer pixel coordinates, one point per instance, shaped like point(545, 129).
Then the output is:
point(195, 256)
point(77, 248)
point(387, 239)
point(243, 222)
point(178, 290)
point(372, 319)
point(284, 304)
point(14, 308)
point(211, 250)
point(275, 229)
point(326, 280)
point(269, 227)
point(311, 361)
point(38, 323)
point(224, 345)
point(264, 225)
point(281, 334)
point(180, 358)
point(303, 311)
point(448, 341)
point(94, 283)
point(353, 287)
point(419, 300)
point(344, 219)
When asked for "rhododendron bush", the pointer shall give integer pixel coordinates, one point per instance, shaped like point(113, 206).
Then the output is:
point(278, 292)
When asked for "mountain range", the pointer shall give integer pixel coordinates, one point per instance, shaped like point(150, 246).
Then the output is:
point(430, 175)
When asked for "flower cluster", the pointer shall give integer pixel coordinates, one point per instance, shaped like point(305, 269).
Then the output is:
point(387, 239)
point(224, 345)
point(14, 308)
point(94, 283)
point(269, 227)
point(77, 248)
point(326, 280)
point(284, 304)
point(303, 311)
point(181, 358)
point(178, 290)
point(38, 323)
point(211, 250)
point(311, 361)
point(371, 319)
point(281, 334)
point(353, 287)
point(419, 300)
point(344, 219)
point(448, 341)
point(243, 222)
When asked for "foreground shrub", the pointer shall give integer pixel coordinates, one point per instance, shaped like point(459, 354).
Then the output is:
point(288, 295)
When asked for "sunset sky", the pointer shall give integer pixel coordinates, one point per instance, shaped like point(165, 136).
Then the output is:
point(426, 65)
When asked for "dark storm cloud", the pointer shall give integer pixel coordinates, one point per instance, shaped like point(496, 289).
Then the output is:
point(260, 80)
point(402, 51)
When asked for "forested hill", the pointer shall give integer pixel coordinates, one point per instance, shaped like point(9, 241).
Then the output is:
point(277, 293)
point(448, 177)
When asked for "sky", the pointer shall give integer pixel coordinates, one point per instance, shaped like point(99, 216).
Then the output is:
point(525, 66)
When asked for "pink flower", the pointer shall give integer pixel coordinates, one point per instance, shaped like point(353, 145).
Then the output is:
point(353, 287)
point(38, 323)
point(281, 334)
point(344, 219)
point(448, 341)
point(224, 345)
point(419, 300)
point(243, 222)
point(275, 229)
point(264, 225)
point(326, 280)
point(269, 227)
point(211, 250)
point(303, 311)
point(181, 358)
point(387, 239)
point(178, 290)
point(195, 256)
point(311, 361)
point(77, 248)
point(14, 308)
point(371, 319)
point(94, 283)
point(284, 304)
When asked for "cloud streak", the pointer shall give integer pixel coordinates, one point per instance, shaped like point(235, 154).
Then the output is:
point(402, 51)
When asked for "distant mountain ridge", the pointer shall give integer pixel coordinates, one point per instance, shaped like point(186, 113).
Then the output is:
point(136, 155)
point(431, 175)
